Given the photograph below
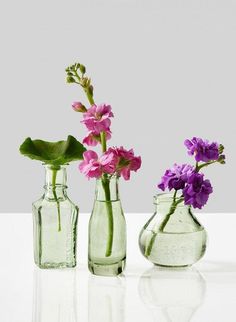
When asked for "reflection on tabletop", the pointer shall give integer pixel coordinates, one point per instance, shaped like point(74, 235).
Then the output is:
point(54, 296)
point(106, 299)
point(172, 295)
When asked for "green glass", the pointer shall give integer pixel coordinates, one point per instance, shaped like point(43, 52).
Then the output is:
point(172, 237)
point(55, 223)
point(107, 230)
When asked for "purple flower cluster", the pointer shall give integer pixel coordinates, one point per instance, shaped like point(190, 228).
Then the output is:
point(176, 177)
point(202, 149)
point(183, 177)
point(195, 189)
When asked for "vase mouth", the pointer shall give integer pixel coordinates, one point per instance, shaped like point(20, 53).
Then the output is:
point(166, 197)
point(55, 167)
point(110, 177)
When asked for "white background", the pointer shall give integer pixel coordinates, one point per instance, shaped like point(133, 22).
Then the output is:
point(167, 68)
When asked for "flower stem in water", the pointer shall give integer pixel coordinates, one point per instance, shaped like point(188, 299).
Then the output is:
point(163, 224)
point(54, 176)
point(106, 187)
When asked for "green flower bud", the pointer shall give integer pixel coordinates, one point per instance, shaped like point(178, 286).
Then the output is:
point(221, 148)
point(84, 81)
point(77, 66)
point(82, 69)
point(70, 79)
point(221, 159)
point(69, 74)
point(72, 67)
point(90, 90)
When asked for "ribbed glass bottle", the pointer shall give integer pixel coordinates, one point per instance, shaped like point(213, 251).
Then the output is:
point(55, 223)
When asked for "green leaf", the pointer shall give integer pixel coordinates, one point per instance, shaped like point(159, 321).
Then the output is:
point(55, 153)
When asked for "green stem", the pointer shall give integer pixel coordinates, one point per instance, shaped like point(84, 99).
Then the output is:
point(54, 176)
point(163, 224)
point(205, 165)
point(106, 187)
point(105, 181)
point(89, 96)
point(103, 141)
point(87, 92)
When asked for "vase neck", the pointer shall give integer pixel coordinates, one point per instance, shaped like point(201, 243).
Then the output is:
point(164, 204)
point(55, 180)
point(107, 189)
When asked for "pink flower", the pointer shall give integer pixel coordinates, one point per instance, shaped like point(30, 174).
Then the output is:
point(109, 161)
point(93, 138)
point(79, 107)
point(127, 161)
point(90, 166)
point(94, 167)
point(114, 160)
point(97, 118)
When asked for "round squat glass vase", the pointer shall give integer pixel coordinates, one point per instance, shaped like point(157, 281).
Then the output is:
point(107, 230)
point(55, 223)
point(173, 236)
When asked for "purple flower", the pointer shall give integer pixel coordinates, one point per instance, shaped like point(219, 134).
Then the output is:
point(202, 149)
point(197, 190)
point(176, 177)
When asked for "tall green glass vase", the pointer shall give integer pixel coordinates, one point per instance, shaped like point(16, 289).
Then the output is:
point(55, 223)
point(107, 230)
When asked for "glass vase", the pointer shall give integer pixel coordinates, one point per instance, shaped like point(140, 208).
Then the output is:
point(107, 230)
point(55, 223)
point(172, 237)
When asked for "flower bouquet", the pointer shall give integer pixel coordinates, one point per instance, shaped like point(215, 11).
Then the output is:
point(107, 230)
point(173, 236)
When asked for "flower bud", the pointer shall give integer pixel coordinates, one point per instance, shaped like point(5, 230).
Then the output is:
point(70, 79)
point(79, 107)
point(221, 148)
point(72, 67)
point(90, 90)
point(221, 159)
point(82, 69)
point(84, 81)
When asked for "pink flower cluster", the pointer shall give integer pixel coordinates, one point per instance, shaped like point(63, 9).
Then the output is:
point(97, 120)
point(114, 161)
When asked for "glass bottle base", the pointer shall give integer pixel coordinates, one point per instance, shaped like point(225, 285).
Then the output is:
point(107, 269)
point(56, 265)
point(174, 266)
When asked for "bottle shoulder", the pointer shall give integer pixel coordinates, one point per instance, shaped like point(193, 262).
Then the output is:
point(50, 201)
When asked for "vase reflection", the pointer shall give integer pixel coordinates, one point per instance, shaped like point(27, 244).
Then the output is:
point(172, 295)
point(106, 299)
point(54, 296)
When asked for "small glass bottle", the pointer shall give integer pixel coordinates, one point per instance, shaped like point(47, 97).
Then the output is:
point(107, 230)
point(55, 223)
point(172, 239)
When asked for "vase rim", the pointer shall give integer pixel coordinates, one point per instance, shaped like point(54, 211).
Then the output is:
point(110, 177)
point(62, 166)
point(166, 197)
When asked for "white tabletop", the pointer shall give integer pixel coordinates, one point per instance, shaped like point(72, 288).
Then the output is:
point(204, 293)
